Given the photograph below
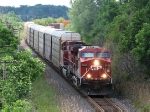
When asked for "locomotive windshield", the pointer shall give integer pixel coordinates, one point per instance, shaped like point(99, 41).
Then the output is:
point(102, 55)
point(87, 54)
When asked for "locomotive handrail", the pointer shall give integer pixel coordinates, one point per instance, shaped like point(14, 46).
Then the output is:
point(83, 76)
point(70, 61)
point(85, 73)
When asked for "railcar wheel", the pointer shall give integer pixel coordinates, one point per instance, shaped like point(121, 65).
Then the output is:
point(60, 68)
point(69, 77)
point(78, 82)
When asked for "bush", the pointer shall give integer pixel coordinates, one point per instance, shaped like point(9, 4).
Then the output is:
point(18, 106)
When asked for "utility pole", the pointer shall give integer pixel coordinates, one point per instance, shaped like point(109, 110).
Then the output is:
point(4, 67)
point(4, 70)
point(4, 62)
point(20, 27)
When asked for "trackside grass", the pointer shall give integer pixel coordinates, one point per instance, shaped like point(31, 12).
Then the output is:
point(43, 97)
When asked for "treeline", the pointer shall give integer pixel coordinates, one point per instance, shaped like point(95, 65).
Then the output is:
point(38, 11)
point(125, 23)
point(124, 28)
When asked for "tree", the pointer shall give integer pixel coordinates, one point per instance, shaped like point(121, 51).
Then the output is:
point(8, 41)
point(82, 15)
point(47, 21)
point(107, 11)
point(19, 76)
point(142, 49)
point(21, 70)
point(38, 11)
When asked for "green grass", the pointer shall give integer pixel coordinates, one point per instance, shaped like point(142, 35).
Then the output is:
point(43, 97)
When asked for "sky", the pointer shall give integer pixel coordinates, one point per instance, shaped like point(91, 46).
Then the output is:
point(17, 3)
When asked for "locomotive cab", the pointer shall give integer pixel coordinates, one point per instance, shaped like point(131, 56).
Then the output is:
point(88, 67)
point(95, 70)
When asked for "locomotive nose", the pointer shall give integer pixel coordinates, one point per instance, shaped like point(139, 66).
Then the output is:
point(88, 76)
point(96, 62)
point(104, 76)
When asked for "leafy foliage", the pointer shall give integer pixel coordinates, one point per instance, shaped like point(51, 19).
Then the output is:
point(82, 15)
point(47, 21)
point(20, 75)
point(8, 41)
point(142, 49)
point(11, 19)
point(21, 70)
point(107, 11)
point(18, 106)
point(124, 28)
point(33, 65)
point(114, 24)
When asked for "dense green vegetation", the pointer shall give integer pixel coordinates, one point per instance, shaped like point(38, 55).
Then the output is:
point(124, 28)
point(48, 21)
point(19, 70)
point(125, 23)
point(38, 11)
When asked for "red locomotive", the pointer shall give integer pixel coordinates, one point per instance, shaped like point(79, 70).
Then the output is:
point(87, 67)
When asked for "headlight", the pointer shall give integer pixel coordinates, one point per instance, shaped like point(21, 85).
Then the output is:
point(96, 63)
point(104, 76)
point(108, 70)
point(88, 76)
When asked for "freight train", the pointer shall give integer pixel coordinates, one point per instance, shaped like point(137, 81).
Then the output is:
point(87, 67)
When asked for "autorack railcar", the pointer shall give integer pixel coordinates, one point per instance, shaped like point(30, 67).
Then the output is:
point(87, 67)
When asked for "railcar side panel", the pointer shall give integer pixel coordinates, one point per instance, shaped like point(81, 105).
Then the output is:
point(56, 51)
point(36, 38)
point(27, 30)
point(31, 39)
point(32, 35)
point(57, 38)
point(48, 43)
point(28, 34)
point(47, 46)
point(42, 41)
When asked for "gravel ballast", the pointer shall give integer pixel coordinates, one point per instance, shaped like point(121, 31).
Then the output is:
point(70, 100)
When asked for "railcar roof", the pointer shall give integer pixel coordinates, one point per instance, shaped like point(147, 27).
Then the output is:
point(93, 48)
point(51, 30)
point(27, 23)
point(36, 27)
point(66, 35)
point(43, 29)
point(58, 33)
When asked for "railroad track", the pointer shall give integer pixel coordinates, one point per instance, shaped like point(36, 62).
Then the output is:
point(100, 104)
point(105, 105)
